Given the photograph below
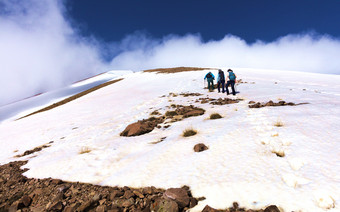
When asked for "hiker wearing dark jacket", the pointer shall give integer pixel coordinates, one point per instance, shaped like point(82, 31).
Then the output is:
point(220, 80)
point(231, 81)
point(210, 78)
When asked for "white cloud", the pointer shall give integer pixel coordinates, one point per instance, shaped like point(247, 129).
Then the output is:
point(306, 52)
point(40, 51)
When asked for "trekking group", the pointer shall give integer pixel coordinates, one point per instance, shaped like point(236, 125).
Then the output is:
point(221, 81)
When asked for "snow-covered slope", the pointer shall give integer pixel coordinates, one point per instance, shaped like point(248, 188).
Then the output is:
point(18, 109)
point(238, 166)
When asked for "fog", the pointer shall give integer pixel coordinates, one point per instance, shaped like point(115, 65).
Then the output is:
point(41, 50)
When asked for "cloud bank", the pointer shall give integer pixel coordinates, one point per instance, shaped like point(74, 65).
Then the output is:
point(41, 50)
point(306, 52)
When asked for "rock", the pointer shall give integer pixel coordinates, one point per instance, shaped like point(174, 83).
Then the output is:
point(128, 194)
point(272, 208)
point(193, 202)
point(101, 208)
point(141, 127)
point(251, 102)
point(26, 200)
point(207, 208)
point(57, 181)
point(162, 205)
point(270, 103)
point(179, 195)
point(147, 190)
point(57, 206)
point(200, 147)
point(193, 113)
point(84, 206)
point(138, 194)
point(127, 203)
point(69, 209)
point(282, 103)
point(96, 198)
point(116, 193)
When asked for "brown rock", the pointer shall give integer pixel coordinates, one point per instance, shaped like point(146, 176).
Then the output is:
point(251, 102)
point(167, 205)
point(26, 200)
point(57, 206)
point(272, 208)
point(179, 195)
point(84, 206)
point(128, 194)
point(207, 208)
point(200, 147)
point(57, 181)
point(193, 202)
point(127, 203)
point(101, 208)
point(116, 193)
point(147, 190)
point(193, 113)
point(139, 194)
point(69, 209)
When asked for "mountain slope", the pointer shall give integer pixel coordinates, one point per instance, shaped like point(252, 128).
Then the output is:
point(241, 163)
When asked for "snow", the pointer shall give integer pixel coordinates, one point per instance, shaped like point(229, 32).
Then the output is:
point(16, 110)
point(240, 164)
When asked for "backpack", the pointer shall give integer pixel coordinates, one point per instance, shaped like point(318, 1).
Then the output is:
point(232, 76)
point(209, 75)
point(221, 74)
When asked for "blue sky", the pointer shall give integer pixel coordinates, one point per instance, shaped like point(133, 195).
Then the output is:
point(250, 20)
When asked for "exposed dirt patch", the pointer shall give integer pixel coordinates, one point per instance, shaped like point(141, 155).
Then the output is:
point(240, 81)
point(190, 94)
point(174, 70)
point(147, 125)
point(270, 103)
point(184, 111)
point(67, 100)
point(218, 101)
point(18, 192)
point(142, 126)
point(36, 149)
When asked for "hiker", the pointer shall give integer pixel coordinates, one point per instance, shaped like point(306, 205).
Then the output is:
point(220, 80)
point(210, 78)
point(231, 81)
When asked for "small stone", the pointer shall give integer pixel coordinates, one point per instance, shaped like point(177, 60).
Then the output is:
point(56, 181)
point(193, 202)
point(69, 209)
point(127, 203)
point(207, 208)
point(26, 200)
point(167, 205)
point(84, 206)
point(139, 194)
point(200, 147)
point(58, 206)
point(272, 208)
point(128, 194)
point(179, 195)
point(101, 208)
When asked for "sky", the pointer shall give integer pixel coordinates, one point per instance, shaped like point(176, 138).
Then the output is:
point(47, 45)
point(250, 20)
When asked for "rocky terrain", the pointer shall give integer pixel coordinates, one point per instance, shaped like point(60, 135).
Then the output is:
point(19, 193)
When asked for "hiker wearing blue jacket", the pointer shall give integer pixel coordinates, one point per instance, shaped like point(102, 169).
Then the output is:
point(210, 78)
point(220, 80)
point(231, 81)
